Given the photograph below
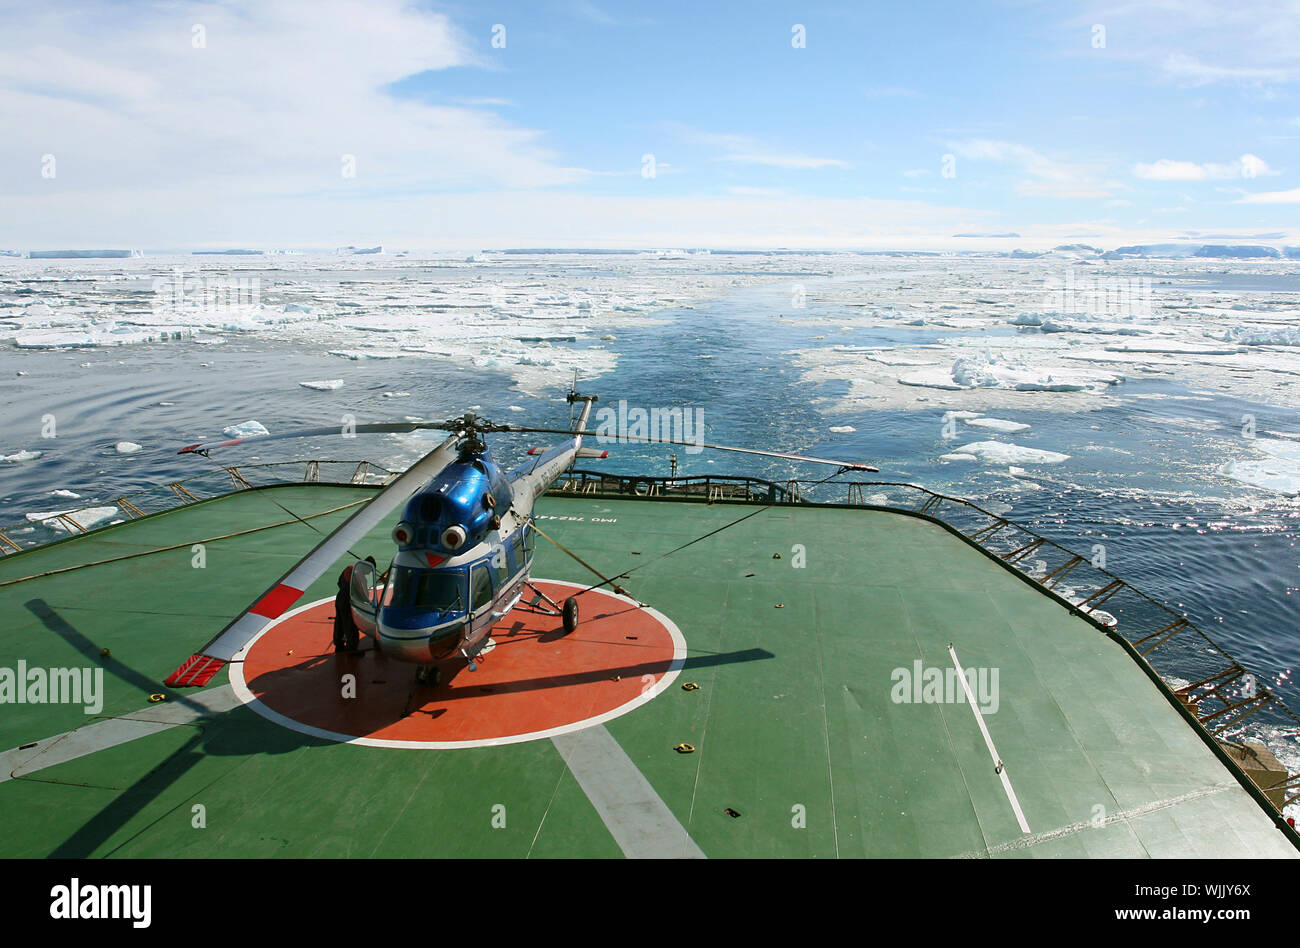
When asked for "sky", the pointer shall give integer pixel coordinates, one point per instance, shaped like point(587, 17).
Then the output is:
point(589, 123)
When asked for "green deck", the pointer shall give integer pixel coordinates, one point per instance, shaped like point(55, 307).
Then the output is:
point(1085, 735)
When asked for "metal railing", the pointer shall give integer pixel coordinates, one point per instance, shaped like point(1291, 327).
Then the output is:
point(14, 538)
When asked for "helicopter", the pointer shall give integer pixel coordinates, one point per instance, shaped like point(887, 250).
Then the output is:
point(464, 541)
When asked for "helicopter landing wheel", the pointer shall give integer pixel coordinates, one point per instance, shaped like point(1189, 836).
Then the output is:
point(428, 676)
point(570, 615)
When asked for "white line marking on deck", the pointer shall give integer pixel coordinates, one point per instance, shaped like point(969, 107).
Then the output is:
point(1123, 816)
point(105, 733)
point(635, 815)
point(993, 751)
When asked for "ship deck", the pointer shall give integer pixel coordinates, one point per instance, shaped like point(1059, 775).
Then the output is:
point(809, 722)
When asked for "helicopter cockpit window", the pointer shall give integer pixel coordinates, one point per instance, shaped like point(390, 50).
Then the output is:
point(434, 590)
point(481, 583)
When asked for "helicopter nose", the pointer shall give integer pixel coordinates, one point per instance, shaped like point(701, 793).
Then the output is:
point(443, 642)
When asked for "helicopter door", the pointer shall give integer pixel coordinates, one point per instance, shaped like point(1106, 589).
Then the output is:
point(480, 594)
point(362, 596)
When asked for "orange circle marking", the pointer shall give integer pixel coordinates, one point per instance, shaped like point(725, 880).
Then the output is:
point(536, 682)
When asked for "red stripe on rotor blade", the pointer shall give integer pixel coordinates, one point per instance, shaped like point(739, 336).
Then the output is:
point(196, 672)
point(273, 604)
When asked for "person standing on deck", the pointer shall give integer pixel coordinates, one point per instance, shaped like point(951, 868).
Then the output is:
point(345, 629)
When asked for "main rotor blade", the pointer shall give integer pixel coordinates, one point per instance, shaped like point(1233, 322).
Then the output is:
point(402, 427)
point(272, 604)
point(851, 465)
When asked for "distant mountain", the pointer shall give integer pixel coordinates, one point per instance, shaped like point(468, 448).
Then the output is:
point(1152, 250)
point(1204, 251)
point(1239, 252)
point(82, 254)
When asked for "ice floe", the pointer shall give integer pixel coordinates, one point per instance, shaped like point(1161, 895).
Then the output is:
point(245, 429)
point(86, 518)
point(997, 452)
point(20, 456)
point(323, 385)
point(127, 447)
point(991, 372)
point(1277, 470)
point(997, 424)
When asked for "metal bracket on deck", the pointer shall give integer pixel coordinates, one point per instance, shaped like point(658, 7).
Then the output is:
point(238, 479)
point(1058, 574)
point(72, 525)
point(1165, 634)
point(535, 604)
point(1101, 595)
point(985, 533)
point(1218, 681)
point(1024, 551)
point(182, 493)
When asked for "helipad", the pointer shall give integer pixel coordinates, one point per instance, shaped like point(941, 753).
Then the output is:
point(536, 682)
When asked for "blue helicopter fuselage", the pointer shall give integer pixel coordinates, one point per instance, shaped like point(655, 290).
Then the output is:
point(464, 548)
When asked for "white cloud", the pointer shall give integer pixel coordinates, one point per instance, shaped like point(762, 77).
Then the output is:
point(1044, 177)
point(506, 218)
point(1195, 43)
point(270, 103)
point(1191, 71)
point(1167, 170)
point(1273, 197)
point(1247, 166)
